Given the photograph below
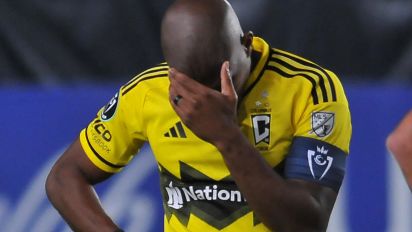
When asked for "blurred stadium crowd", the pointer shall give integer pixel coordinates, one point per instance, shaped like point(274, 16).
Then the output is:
point(57, 42)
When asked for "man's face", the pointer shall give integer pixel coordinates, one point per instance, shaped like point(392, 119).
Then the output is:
point(241, 64)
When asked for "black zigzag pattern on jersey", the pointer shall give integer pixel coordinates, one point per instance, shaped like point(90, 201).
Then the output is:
point(217, 213)
point(157, 71)
point(315, 70)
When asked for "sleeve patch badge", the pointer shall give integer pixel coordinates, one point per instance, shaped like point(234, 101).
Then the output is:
point(319, 161)
point(110, 109)
point(261, 128)
point(322, 123)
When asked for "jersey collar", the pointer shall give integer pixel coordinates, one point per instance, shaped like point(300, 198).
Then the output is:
point(260, 57)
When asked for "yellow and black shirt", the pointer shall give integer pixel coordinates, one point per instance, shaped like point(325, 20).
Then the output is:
point(294, 112)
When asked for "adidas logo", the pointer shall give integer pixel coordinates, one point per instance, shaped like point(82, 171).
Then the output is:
point(176, 132)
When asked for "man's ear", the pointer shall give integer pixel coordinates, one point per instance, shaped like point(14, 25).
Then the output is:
point(246, 41)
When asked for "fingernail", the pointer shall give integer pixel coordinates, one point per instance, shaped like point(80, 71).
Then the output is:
point(228, 68)
point(171, 72)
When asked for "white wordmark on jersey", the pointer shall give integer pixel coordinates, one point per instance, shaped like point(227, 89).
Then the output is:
point(177, 196)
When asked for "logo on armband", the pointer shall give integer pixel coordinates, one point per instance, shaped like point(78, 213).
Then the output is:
point(322, 123)
point(319, 162)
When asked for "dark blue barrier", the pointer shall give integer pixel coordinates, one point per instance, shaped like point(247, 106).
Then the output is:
point(37, 124)
point(376, 110)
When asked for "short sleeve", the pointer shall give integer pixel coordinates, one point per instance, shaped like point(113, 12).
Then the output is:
point(116, 134)
point(329, 122)
point(321, 141)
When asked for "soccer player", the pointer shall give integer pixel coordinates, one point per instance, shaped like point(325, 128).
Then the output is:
point(246, 137)
point(399, 143)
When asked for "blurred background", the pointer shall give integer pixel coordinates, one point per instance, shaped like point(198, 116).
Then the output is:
point(60, 61)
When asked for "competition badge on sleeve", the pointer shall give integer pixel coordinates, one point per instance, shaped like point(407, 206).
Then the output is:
point(322, 123)
point(319, 162)
point(110, 109)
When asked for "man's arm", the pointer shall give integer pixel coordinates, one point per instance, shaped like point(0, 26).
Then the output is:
point(399, 143)
point(282, 205)
point(69, 187)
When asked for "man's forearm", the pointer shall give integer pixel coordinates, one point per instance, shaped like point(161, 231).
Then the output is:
point(278, 203)
point(399, 143)
point(77, 203)
point(290, 205)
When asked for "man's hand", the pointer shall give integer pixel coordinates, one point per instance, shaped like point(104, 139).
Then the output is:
point(282, 205)
point(205, 111)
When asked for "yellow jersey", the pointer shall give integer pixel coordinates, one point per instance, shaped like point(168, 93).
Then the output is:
point(289, 102)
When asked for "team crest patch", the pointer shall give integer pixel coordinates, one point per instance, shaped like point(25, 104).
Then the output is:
point(110, 109)
point(261, 128)
point(322, 123)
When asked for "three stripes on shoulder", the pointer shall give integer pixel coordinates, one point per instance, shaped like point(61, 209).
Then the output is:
point(176, 131)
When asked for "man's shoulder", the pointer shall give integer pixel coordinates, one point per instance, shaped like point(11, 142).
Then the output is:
point(324, 84)
point(154, 77)
point(296, 62)
point(287, 61)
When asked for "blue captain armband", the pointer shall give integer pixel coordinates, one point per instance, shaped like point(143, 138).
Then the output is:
point(316, 161)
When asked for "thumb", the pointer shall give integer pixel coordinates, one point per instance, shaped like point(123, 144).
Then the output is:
point(226, 81)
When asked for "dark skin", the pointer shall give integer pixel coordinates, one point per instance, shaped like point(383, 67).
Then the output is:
point(69, 187)
point(282, 205)
point(399, 143)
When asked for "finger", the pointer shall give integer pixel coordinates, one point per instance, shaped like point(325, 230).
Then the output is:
point(175, 94)
point(178, 106)
point(172, 87)
point(228, 89)
point(177, 80)
point(172, 93)
point(176, 91)
point(187, 82)
point(176, 87)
